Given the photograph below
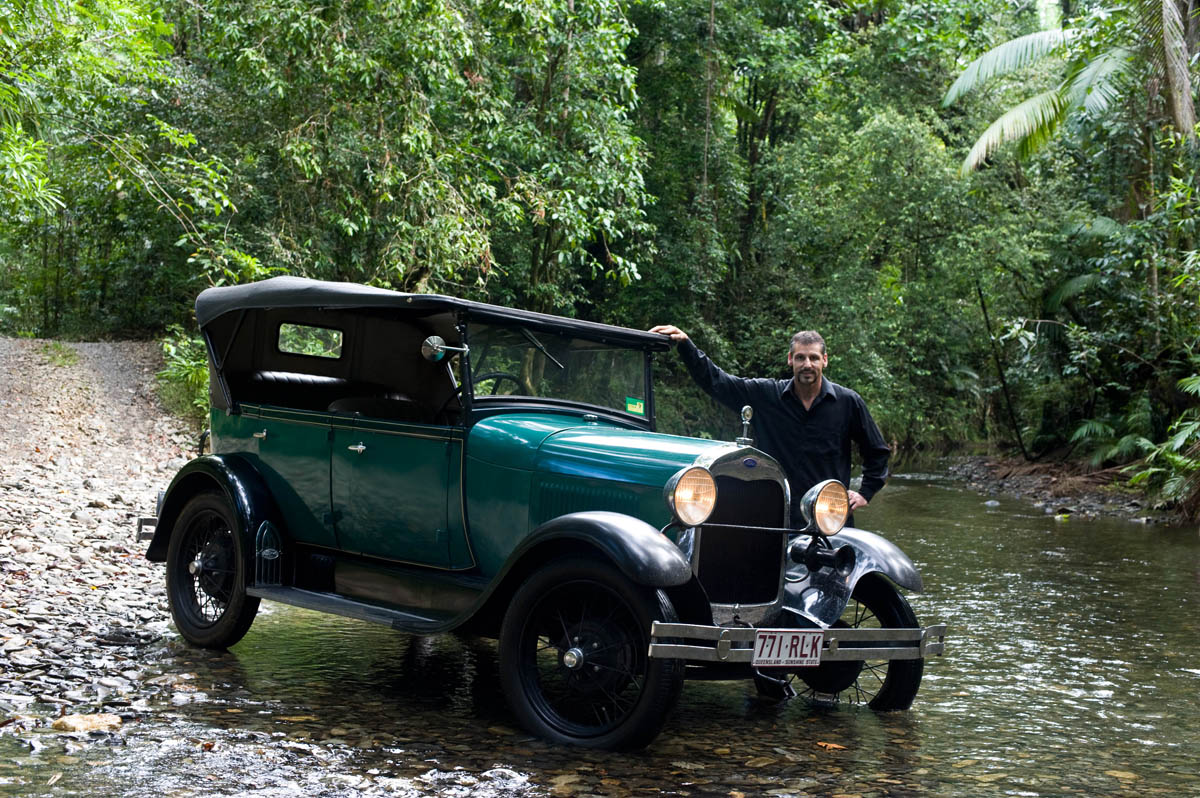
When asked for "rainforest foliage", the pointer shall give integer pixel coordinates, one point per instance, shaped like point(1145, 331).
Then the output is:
point(988, 207)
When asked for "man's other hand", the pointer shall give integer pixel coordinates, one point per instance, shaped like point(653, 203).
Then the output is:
point(670, 330)
point(856, 498)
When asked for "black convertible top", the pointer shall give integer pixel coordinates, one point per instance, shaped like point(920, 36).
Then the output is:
point(301, 292)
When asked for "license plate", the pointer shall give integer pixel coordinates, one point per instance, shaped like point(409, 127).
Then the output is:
point(787, 648)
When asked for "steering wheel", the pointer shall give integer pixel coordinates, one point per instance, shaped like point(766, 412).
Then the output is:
point(498, 376)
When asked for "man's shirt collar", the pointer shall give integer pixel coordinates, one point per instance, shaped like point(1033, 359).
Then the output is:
point(787, 388)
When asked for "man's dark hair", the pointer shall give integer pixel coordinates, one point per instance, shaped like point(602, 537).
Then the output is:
point(807, 338)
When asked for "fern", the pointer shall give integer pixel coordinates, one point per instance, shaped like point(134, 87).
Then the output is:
point(1092, 430)
point(183, 382)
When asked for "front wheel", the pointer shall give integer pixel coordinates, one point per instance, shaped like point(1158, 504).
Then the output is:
point(881, 684)
point(206, 575)
point(574, 658)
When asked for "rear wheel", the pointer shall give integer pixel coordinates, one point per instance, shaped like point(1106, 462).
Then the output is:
point(881, 684)
point(206, 575)
point(573, 657)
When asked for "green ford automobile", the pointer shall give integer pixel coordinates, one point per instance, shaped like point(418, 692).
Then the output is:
point(440, 465)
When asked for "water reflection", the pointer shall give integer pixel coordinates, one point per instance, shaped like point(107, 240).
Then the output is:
point(1072, 669)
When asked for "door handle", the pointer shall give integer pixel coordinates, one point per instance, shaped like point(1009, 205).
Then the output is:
point(357, 448)
point(261, 435)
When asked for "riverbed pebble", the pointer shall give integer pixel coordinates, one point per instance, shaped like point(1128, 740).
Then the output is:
point(80, 451)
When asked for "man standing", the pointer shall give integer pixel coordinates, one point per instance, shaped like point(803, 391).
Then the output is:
point(807, 423)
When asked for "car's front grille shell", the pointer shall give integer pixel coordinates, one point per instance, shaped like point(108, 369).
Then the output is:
point(738, 565)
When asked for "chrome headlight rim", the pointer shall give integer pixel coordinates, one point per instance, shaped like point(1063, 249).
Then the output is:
point(690, 512)
point(826, 507)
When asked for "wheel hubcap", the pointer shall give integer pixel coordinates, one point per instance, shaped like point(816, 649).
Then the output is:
point(572, 658)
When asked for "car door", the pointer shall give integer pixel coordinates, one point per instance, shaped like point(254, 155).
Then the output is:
point(291, 450)
point(390, 486)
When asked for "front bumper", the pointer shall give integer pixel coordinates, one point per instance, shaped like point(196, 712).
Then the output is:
point(735, 644)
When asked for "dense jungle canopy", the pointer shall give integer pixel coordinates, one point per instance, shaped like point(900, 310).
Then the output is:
point(986, 206)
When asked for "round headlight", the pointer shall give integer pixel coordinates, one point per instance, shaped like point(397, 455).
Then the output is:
point(692, 495)
point(826, 505)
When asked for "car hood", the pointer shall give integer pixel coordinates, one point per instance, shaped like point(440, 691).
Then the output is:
point(621, 455)
point(566, 445)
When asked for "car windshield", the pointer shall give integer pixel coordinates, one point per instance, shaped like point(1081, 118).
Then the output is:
point(515, 361)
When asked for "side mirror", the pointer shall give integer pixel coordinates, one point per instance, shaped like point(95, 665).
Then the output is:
point(434, 348)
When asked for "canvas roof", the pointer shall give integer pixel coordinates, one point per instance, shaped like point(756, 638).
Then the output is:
point(302, 292)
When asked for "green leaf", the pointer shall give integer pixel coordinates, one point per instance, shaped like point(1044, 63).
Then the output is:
point(1031, 121)
point(1008, 57)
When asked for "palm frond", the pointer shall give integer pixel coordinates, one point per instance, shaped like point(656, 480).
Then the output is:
point(1128, 447)
point(1190, 385)
point(1035, 119)
point(1160, 23)
point(1008, 57)
point(1096, 228)
point(1095, 84)
point(1175, 60)
point(1070, 289)
point(1184, 435)
point(1092, 429)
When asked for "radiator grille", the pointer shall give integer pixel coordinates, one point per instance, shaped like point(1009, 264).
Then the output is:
point(741, 566)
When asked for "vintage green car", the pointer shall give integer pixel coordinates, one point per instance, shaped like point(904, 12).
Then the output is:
point(440, 465)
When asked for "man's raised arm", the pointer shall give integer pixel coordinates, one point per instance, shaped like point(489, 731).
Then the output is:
point(727, 389)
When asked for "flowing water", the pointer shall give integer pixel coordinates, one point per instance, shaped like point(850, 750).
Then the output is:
point(1072, 668)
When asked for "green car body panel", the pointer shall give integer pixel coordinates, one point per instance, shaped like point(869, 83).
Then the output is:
point(525, 469)
point(290, 450)
point(506, 475)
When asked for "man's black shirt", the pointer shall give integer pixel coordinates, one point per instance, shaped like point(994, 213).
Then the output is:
point(811, 444)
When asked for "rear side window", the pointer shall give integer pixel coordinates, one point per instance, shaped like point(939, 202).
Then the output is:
point(304, 339)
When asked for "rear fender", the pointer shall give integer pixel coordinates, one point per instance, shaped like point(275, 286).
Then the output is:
point(229, 475)
point(821, 596)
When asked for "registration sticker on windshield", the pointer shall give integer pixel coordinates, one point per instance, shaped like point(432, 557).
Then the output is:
point(635, 406)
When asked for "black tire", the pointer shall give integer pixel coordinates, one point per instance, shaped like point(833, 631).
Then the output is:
point(573, 657)
point(883, 685)
point(206, 575)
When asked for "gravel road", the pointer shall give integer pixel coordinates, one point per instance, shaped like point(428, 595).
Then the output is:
point(84, 449)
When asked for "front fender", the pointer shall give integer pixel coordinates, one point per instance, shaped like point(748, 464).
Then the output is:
point(230, 475)
point(821, 596)
point(640, 551)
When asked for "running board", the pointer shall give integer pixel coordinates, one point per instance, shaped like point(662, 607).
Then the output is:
point(400, 620)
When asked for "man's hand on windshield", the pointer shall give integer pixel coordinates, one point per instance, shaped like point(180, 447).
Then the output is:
point(674, 333)
point(856, 500)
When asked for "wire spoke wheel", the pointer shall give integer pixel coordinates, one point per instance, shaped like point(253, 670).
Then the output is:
point(586, 671)
point(574, 657)
point(880, 684)
point(208, 557)
point(206, 575)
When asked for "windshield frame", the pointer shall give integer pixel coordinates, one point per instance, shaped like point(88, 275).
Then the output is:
point(479, 406)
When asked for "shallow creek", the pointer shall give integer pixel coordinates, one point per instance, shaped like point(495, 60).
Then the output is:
point(1072, 668)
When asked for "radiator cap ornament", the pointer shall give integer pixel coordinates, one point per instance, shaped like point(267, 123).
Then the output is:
point(745, 440)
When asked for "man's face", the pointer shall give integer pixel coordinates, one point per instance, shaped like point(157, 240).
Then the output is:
point(807, 362)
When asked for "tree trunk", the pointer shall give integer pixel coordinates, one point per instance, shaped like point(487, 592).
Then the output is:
point(1179, 84)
